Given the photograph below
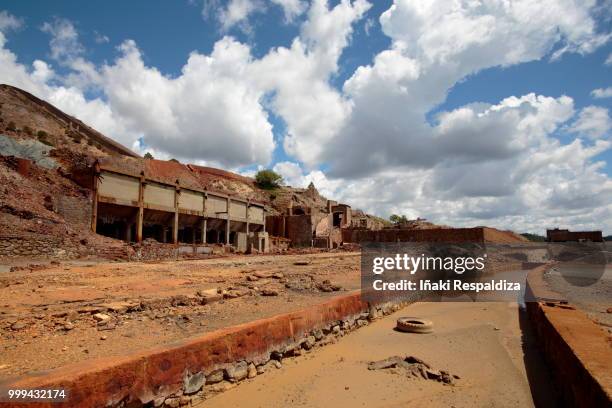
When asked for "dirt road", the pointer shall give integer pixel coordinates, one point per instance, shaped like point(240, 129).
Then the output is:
point(487, 345)
point(50, 316)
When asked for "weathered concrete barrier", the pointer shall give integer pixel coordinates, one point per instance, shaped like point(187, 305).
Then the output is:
point(192, 370)
point(577, 350)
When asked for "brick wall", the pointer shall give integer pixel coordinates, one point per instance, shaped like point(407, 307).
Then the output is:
point(573, 236)
point(299, 230)
point(75, 210)
point(13, 246)
point(404, 235)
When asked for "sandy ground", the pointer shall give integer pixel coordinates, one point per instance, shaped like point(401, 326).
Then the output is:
point(487, 344)
point(593, 297)
point(47, 314)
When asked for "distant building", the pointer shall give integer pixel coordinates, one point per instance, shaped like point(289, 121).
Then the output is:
point(565, 235)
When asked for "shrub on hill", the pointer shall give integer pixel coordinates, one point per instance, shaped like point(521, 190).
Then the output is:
point(268, 179)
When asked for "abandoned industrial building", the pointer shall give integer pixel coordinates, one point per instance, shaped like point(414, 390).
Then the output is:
point(565, 235)
point(135, 199)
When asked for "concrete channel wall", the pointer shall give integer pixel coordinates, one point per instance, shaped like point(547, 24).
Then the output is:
point(191, 370)
point(577, 350)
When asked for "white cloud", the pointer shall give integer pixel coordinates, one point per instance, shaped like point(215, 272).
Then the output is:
point(291, 8)
point(64, 43)
point(601, 93)
point(593, 122)
point(608, 60)
point(209, 112)
point(100, 38)
point(435, 45)
point(237, 12)
point(496, 164)
point(299, 77)
point(9, 22)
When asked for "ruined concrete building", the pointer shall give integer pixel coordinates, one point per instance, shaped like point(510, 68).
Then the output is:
point(135, 199)
point(565, 235)
point(308, 226)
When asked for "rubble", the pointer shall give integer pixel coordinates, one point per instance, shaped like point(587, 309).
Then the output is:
point(413, 367)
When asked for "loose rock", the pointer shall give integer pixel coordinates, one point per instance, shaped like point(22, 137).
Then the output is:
point(237, 372)
point(252, 371)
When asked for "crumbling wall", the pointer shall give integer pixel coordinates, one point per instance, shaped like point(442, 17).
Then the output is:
point(299, 230)
point(36, 246)
point(404, 235)
point(563, 235)
point(75, 210)
point(279, 244)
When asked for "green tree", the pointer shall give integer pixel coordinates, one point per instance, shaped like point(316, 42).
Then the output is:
point(534, 237)
point(148, 156)
point(398, 219)
point(268, 179)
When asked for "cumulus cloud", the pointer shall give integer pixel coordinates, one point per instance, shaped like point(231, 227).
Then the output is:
point(291, 8)
point(593, 122)
point(9, 22)
point(208, 112)
point(482, 163)
point(236, 13)
point(299, 77)
point(601, 93)
point(434, 45)
point(608, 60)
point(64, 43)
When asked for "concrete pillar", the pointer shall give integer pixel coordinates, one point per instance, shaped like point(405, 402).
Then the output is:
point(94, 204)
point(164, 234)
point(227, 224)
point(140, 215)
point(247, 219)
point(175, 223)
point(227, 230)
point(203, 230)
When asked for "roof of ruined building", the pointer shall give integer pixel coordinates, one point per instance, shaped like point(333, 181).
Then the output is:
point(207, 172)
point(125, 165)
point(166, 172)
point(171, 172)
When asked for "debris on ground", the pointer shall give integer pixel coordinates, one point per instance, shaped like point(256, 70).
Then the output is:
point(413, 367)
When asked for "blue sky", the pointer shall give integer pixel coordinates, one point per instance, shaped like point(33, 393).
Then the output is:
point(359, 97)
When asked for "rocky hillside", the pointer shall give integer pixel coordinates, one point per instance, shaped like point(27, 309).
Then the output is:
point(45, 211)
